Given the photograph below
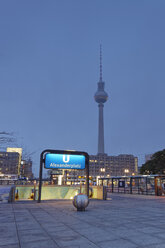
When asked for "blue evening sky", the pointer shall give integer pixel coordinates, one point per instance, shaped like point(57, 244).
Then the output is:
point(49, 69)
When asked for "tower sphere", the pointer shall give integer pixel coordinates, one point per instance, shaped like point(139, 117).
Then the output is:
point(101, 96)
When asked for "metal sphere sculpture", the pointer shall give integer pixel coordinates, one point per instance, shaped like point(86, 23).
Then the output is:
point(80, 202)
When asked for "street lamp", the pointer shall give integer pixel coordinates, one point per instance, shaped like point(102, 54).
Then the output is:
point(126, 171)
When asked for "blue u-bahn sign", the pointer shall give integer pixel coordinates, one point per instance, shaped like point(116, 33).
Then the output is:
point(64, 161)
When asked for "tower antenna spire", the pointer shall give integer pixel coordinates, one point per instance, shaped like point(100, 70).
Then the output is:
point(100, 63)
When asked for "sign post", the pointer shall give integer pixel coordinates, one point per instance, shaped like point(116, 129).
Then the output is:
point(63, 159)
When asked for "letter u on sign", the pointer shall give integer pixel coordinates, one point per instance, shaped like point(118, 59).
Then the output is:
point(65, 158)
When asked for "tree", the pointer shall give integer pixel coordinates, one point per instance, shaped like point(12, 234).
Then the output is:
point(156, 165)
point(6, 139)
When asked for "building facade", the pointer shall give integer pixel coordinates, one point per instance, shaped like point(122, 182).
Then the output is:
point(105, 166)
point(19, 151)
point(9, 163)
point(26, 169)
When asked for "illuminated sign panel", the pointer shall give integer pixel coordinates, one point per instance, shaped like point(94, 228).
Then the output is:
point(64, 161)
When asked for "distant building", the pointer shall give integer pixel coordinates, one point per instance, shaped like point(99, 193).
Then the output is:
point(9, 163)
point(105, 166)
point(19, 151)
point(26, 169)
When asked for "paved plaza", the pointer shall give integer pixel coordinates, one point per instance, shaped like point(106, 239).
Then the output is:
point(126, 221)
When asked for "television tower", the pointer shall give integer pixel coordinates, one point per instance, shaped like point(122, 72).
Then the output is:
point(101, 97)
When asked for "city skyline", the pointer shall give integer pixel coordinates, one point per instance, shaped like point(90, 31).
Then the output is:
point(49, 68)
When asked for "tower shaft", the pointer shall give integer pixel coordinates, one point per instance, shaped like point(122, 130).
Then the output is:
point(101, 130)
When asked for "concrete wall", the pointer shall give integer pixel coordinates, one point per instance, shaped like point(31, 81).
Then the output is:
point(51, 192)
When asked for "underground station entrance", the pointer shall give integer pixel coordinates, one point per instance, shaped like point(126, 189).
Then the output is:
point(62, 161)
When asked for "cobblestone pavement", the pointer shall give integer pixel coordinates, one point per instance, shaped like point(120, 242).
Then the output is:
point(126, 221)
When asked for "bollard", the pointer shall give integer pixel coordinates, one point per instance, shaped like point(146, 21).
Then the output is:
point(80, 202)
point(16, 195)
point(32, 195)
point(104, 193)
point(12, 194)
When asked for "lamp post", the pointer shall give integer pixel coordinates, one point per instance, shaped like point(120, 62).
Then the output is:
point(126, 171)
point(102, 170)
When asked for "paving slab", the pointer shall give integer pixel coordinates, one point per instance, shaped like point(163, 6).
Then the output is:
point(44, 244)
point(10, 246)
point(153, 246)
point(119, 243)
point(32, 235)
point(8, 240)
point(126, 221)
